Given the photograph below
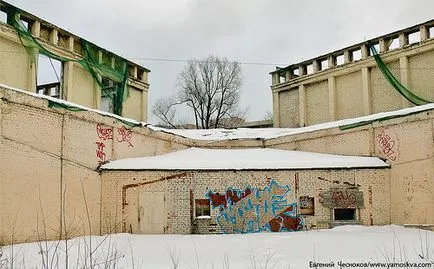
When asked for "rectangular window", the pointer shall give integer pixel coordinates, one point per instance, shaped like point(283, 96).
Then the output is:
point(108, 95)
point(345, 213)
point(202, 207)
point(49, 77)
point(307, 205)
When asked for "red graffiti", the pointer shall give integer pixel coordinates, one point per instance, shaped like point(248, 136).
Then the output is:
point(344, 199)
point(104, 133)
point(218, 199)
point(387, 145)
point(285, 221)
point(235, 196)
point(100, 154)
point(125, 135)
point(231, 196)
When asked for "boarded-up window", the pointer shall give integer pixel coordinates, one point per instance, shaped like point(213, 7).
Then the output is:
point(307, 205)
point(202, 207)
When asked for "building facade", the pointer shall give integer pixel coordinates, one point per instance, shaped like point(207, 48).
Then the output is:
point(243, 191)
point(348, 83)
point(89, 75)
point(52, 148)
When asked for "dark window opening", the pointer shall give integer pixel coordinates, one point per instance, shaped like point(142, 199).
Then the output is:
point(345, 214)
point(202, 207)
point(49, 77)
point(140, 74)
point(109, 93)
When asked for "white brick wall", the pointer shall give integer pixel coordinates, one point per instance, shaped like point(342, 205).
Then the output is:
point(178, 206)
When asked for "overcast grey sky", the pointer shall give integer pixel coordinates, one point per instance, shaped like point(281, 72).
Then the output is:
point(270, 32)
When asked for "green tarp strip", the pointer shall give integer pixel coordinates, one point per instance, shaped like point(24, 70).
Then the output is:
point(90, 61)
point(367, 122)
point(64, 106)
point(54, 104)
point(413, 98)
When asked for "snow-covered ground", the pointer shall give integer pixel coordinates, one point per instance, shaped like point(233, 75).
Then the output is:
point(354, 246)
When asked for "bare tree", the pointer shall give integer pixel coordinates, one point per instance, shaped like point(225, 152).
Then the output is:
point(164, 110)
point(268, 115)
point(210, 88)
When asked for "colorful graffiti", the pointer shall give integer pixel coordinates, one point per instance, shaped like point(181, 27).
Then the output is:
point(255, 210)
point(387, 145)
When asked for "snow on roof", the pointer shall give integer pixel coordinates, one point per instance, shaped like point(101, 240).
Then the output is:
point(241, 133)
point(242, 159)
point(269, 133)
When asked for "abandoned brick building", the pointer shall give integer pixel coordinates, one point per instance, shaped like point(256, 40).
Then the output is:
point(369, 162)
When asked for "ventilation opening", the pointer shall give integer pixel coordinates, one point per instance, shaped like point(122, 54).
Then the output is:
point(296, 72)
point(3, 17)
point(377, 48)
point(340, 59)
point(431, 32)
point(140, 74)
point(414, 38)
point(394, 44)
point(356, 55)
point(26, 24)
point(309, 69)
point(324, 64)
point(50, 77)
point(345, 213)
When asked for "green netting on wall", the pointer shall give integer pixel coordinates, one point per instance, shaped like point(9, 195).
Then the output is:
point(64, 106)
point(403, 90)
point(89, 61)
point(55, 104)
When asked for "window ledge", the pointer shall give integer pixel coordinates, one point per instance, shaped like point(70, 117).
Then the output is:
point(203, 217)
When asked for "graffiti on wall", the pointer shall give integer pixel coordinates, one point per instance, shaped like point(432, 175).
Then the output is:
point(388, 145)
point(255, 210)
point(100, 154)
point(342, 198)
point(104, 133)
point(125, 135)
